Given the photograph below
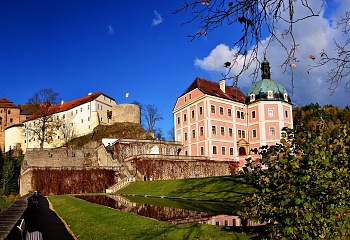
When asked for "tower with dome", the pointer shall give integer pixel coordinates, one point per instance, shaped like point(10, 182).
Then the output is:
point(220, 122)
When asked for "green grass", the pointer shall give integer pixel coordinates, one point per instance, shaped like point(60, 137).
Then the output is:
point(6, 201)
point(91, 221)
point(231, 188)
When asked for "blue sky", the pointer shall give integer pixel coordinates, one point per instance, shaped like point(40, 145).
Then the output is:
point(140, 47)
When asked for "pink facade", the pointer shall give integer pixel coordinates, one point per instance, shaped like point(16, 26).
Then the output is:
point(220, 122)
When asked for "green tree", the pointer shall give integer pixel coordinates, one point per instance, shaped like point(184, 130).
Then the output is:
point(9, 175)
point(305, 192)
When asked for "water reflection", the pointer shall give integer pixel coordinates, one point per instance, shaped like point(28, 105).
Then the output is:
point(167, 214)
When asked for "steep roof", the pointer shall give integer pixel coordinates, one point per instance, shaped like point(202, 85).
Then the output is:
point(65, 106)
point(213, 89)
point(28, 109)
point(5, 103)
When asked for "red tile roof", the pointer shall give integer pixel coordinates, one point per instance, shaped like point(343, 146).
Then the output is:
point(68, 105)
point(5, 103)
point(213, 89)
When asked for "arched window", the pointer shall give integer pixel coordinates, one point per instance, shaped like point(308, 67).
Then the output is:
point(241, 151)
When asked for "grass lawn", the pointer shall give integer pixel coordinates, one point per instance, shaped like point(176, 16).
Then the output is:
point(231, 188)
point(91, 221)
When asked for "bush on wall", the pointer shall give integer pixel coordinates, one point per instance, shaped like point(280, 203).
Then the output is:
point(53, 181)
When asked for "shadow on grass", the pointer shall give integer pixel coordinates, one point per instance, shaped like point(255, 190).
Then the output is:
point(227, 187)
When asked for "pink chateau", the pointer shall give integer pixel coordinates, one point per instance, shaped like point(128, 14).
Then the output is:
point(220, 122)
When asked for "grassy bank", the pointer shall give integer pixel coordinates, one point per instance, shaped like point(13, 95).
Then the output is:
point(91, 221)
point(6, 201)
point(231, 188)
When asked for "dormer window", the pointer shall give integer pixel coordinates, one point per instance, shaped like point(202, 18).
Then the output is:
point(270, 94)
point(285, 96)
point(252, 97)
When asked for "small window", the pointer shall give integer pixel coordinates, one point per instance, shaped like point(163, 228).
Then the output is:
point(214, 150)
point(11, 120)
point(178, 120)
point(272, 131)
point(185, 118)
point(212, 108)
point(88, 118)
point(185, 136)
point(223, 151)
point(200, 110)
point(190, 96)
point(230, 132)
point(240, 114)
point(9, 112)
point(192, 114)
point(221, 111)
point(271, 112)
point(253, 114)
point(222, 131)
point(229, 112)
point(213, 130)
point(241, 134)
point(185, 99)
point(252, 97)
point(76, 111)
point(201, 131)
point(88, 107)
point(254, 133)
point(231, 151)
point(285, 96)
point(64, 116)
point(202, 150)
point(82, 121)
point(193, 133)
point(81, 109)
point(270, 94)
point(286, 113)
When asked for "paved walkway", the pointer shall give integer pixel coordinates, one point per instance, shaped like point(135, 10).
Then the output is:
point(43, 219)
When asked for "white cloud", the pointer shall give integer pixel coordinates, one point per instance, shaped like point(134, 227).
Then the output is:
point(110, 29)
point(310, 86)
point(157, 19)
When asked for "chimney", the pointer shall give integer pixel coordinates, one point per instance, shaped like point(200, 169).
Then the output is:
point(62, 101)
point(90, 93)
point(222, 85)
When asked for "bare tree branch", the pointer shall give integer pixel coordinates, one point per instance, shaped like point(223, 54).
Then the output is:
point(253, 18)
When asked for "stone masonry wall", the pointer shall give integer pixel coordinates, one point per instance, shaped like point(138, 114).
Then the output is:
point(126, 113)
point(177, 169)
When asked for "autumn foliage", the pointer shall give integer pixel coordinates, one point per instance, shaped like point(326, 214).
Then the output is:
point(50, 181)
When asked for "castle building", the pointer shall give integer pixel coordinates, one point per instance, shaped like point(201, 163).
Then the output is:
point(77, 117)
point(219, 121)
point(9, 116)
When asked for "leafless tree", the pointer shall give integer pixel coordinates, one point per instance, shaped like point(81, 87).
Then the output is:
point(151, 115)
point(171, 134)
point(252, 17)
point(43, 125)
point(339, 59)
point(68, 129)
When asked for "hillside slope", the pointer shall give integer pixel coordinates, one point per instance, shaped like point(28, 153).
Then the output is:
point(117, 130)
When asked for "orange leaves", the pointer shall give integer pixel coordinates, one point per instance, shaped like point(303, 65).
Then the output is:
point(205, 2)
point(312, 57)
